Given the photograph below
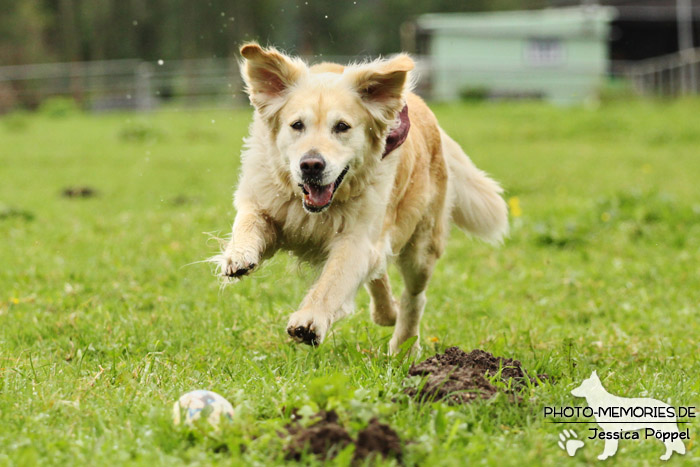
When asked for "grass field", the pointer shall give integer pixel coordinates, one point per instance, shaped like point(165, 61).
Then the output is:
point(106, 318)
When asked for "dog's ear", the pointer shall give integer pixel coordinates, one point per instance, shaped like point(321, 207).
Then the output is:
point(594, 375)
point(382, 85)
point(268, 75)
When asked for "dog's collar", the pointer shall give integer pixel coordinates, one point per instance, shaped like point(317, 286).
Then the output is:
point(399, 134)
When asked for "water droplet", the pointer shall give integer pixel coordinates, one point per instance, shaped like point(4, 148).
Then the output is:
point(326, 16)
point(213, 121)
point(160, 62)
point(223, 14)
point(135, 23)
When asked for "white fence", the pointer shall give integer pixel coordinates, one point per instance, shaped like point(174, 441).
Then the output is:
point(139, 85)
point(129, 84)
point(670, 75)
point(121, 84)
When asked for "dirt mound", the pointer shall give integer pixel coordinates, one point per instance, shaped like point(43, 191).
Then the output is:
point(79, 192)
point(377, 438)
point(460, 377)
point(326, 437)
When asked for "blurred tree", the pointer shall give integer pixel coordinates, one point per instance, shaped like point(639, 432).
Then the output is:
point(67, 15)
point(22, 24)
point(75, 30)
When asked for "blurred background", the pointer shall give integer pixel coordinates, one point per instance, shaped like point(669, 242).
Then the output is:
point(104, 55)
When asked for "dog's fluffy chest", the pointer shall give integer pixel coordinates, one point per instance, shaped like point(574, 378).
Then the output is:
point(310, 236)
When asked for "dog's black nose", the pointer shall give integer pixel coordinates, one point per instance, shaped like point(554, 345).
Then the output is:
point(312, 166)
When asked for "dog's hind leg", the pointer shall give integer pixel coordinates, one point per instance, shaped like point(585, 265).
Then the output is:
point(382, 306)
point(416, 263)
point(416, 277)
point(678, 446)
point(673, 446)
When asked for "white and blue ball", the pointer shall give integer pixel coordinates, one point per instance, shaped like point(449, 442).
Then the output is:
point(202, 404)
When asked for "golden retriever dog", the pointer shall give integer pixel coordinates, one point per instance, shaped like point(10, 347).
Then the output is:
point(349, 170)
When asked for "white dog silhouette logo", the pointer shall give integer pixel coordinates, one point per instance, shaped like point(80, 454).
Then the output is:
point(618, 415)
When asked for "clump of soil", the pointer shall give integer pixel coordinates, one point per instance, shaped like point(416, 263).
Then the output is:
point(377, 438)
point(326, 437)
point(79, 192)
point(181, 200)
point(460, 377)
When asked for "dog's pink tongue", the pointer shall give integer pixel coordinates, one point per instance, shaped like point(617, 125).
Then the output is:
point(319, 196)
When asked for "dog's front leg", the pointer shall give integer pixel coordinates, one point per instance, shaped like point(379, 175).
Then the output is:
point(609, 450)
point(349, 263)
point(252, 239)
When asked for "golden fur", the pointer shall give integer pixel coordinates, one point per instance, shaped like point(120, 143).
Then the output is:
point(393, 208)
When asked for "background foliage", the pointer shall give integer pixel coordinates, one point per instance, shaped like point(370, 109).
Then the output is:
point(68, 30)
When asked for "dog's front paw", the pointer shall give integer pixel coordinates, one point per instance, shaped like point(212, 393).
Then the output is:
point(233, 264)
point(307, 327)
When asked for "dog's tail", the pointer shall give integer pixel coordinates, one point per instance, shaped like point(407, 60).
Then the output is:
point(477, 204)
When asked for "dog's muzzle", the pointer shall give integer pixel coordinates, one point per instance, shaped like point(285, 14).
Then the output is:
point(318, 197)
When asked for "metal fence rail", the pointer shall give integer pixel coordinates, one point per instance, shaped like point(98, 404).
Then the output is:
point(128, 84)
point(670, 75)
point(135, 84)
point(139, 85)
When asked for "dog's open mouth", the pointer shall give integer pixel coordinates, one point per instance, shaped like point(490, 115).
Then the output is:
point(319, 197)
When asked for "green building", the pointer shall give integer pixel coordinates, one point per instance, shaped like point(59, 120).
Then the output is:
point(560, 54)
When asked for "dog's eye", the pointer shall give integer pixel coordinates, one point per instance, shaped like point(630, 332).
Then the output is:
point(298, 125)
point(341, 127)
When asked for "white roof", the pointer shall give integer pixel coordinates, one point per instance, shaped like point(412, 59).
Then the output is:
point(571, 21)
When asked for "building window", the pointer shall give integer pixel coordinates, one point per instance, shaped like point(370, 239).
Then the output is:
point(544, 51)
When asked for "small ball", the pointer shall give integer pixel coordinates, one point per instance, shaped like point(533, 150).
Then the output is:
point(197, 404)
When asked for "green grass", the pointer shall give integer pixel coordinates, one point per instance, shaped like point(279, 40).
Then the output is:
point(105, 321)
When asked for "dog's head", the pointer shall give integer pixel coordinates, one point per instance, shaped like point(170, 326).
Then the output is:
point(327, 122)
point(588, 387)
